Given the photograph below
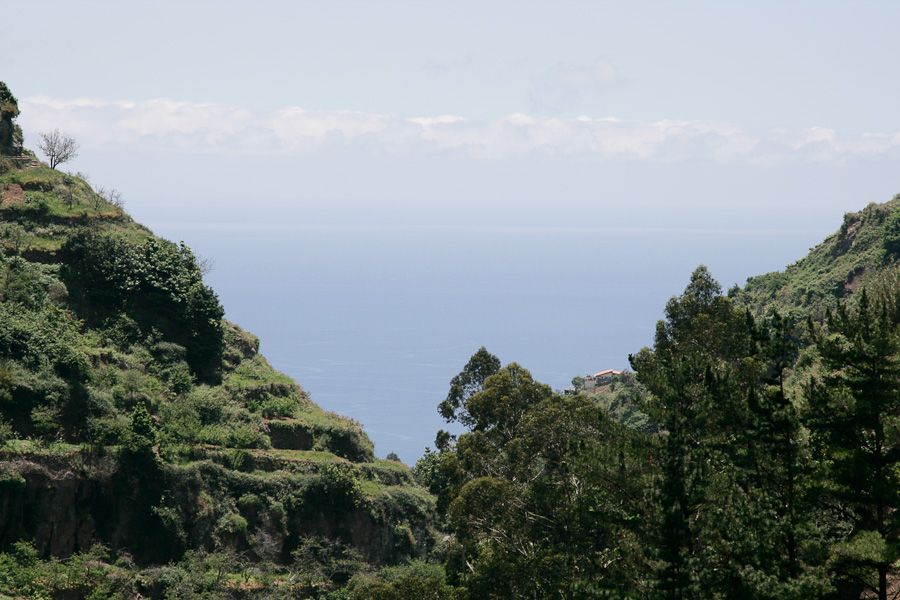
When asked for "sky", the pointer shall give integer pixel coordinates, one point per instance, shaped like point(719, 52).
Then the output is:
point(397, 100)
point(714, 120)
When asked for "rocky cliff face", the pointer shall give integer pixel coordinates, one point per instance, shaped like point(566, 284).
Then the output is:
point(10, 133)
point(65, 503)
point(8, 146)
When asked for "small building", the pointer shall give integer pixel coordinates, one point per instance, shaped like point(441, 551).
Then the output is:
point(604, 377)
point(600, 378)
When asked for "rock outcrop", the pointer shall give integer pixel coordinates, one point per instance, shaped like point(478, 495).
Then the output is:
point(10, 133)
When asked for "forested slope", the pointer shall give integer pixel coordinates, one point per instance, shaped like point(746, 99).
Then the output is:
point(770, 471)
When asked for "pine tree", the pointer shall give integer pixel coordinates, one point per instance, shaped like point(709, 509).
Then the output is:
point(696, 375)
point(855, 413)
point(731, 471)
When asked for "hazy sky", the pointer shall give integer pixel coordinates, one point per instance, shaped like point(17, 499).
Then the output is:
point(450, 108)
point(716, 66)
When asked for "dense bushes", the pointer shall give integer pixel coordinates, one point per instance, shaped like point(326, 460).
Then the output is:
point(892, 233)
point(156, 284)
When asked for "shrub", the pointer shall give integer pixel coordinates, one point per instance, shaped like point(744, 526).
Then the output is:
point(11, 480)
point(342, 485)
point(239, 460)
point(231, 527)
point(407, 588)
point(157, 284)
point(6, 431)
point(891, 239)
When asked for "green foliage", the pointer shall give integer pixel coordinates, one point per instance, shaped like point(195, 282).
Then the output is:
point(411, 587)
point(156, 284)
point(469, 382)
point(44, 336)
point(324, 564)
point(854, 416)
point(341, 485)
point(427, 469)
point(732, 508)
point(6, 428)
point(141, 424)
point(891, 240)
point(539, 494)
point(9, 106)
point(239, 459)
point(85, 574)
point(831, 272)
point(621, 399)
point(11, 480)
point(119, 376)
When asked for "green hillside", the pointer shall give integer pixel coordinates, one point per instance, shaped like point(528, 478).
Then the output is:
point(147, 449)
point(863, 246)
point(101, 318)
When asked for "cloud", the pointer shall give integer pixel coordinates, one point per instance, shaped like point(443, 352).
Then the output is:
point(170, 125)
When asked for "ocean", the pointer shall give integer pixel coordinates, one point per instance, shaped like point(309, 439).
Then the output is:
point(374, 321)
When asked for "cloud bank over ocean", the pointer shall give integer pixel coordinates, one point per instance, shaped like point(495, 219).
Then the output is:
point(227, 129)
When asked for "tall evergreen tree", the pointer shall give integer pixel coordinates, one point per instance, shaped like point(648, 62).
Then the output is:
point(854, 412)
point(728, 514)
point(688, 372)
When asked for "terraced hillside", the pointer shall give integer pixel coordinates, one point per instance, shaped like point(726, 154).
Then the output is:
point(137, 425)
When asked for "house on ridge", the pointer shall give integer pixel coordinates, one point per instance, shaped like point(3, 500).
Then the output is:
point(600, 378)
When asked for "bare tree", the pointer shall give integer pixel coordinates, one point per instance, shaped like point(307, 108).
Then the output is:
point(206, 264)
point(58, 147)
point(98, 197)
point(113, 196)
point(65, 194)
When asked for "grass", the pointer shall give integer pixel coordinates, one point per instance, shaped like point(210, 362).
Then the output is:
point(255, 372)
point(42, 204)
point(42, 447)
point(391, 465)
point(304, 455)
point(326, 419)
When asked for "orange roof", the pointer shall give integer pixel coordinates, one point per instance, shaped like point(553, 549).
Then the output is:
point(607, 372)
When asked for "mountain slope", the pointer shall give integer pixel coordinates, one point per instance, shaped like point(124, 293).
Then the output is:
point(133, 416)
point(831, 272)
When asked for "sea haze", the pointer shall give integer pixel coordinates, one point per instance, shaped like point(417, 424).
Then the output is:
point(375, 321)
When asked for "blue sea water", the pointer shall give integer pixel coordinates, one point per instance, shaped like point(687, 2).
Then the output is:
point(374, 322)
